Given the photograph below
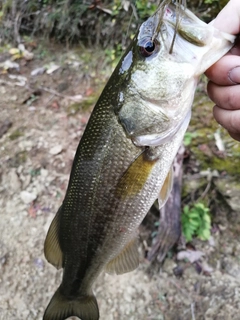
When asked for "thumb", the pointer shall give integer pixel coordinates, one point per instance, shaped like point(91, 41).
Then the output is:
point(228, 19)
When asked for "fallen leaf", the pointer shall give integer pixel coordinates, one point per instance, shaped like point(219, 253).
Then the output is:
point(52, 68)
point(190, 255)
point(8, 64)
point(89, 91)
point(32, 212)
point(14, 51)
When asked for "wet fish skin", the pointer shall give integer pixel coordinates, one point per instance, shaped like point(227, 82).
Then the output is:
point(124, 157)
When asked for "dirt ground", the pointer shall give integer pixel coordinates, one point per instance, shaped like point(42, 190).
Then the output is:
point(42, 119)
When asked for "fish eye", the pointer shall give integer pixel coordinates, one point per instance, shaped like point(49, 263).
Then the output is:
point(147, 48)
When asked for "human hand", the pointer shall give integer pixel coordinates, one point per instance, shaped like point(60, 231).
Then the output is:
point(224, 85)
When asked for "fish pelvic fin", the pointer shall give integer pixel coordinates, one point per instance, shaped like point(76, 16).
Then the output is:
point(60, 307)
point(126, 261)
point(52, 250)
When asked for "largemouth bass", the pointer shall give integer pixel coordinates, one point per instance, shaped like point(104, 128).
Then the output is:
point(123, 162)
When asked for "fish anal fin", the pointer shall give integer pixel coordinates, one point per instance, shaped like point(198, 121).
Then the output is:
point(52, 250)
point(166, 189)
point(126, 261)
point(60, 307)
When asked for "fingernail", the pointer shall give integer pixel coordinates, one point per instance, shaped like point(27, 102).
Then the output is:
point(234, 75)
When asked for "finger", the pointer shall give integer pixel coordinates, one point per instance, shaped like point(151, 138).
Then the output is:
point(236, 48)
point(225, 97)
point(230, 120)
point(235, 136)
point(220, 72)
point(228, 19)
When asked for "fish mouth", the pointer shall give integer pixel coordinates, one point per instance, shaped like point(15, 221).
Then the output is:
point(178, 16)
point(170, 13)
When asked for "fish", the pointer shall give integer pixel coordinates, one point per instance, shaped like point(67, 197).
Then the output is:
point(123, 162)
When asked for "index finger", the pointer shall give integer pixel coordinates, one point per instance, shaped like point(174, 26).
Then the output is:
point(219, 73)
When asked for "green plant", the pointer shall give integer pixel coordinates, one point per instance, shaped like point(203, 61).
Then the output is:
point(188, 138)
point(113, 55)
point(196, 221)
point(209, 1)
point(145, 8)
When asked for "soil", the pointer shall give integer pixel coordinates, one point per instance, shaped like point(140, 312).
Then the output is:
point(41, 123)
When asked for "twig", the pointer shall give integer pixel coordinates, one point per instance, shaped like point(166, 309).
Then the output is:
point(11, 84)
point(16, 28)
point(105, 10)
point(203, 195)
point(187, 295)
point(169, 229)
point(179, 288)
point(192, 310)
point(57, 93)
point(50, 99)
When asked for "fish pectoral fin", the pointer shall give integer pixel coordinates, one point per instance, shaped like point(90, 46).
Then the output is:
point(60, 307)
point(166, 189)
point(52, 250)
point(134, 178)
point(126, 261)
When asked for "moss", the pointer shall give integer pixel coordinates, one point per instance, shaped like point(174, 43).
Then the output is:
point(84, 105)
point(18, 159)
point(190, 186)
point(203, 144)
point(16, 134)
point(74, 108)
point(228, 164)
point(89, 102)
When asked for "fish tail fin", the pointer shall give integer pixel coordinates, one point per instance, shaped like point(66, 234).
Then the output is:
point(84, 307)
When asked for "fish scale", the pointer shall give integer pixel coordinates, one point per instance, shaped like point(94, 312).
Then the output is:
point(123, 161)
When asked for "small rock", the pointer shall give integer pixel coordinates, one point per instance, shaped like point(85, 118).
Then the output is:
point(56, 150)
point(39, 263)
point(32, 108)
point(28, 197)
point(207, 268)
point(14, 181)
point(169, 265)
point(25, 145)
point(44, 172)
point(26, 179)
point(77, 97)
point(62, 86)
point(211, 241)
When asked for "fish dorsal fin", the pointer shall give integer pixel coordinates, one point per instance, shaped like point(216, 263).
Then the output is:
point(126, 261)
point(52, 250)
point(166, 189)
